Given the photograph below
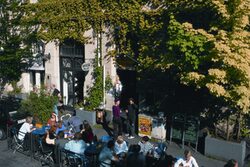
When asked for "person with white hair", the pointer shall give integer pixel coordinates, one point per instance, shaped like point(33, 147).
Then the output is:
point(27, 127)
point(120, 146)
point(188, 161)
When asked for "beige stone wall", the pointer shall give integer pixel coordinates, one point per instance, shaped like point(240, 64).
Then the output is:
point(52, 66)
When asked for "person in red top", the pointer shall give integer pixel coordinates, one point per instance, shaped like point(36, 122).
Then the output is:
point(52, 121)
point(87, 133)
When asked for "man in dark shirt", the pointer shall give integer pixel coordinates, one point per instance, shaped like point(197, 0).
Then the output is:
point(117, 123)
point(131, 111)
point(135, 158)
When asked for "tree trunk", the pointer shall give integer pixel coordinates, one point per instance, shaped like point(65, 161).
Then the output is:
point(239, 126)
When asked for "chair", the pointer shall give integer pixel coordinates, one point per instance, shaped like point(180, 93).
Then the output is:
point(17, 144)
point(75, 160)
point(46, 154)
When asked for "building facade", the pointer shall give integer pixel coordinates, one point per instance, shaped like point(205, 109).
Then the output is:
point(61, 66)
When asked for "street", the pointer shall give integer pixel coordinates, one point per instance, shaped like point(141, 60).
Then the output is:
point(10, 159)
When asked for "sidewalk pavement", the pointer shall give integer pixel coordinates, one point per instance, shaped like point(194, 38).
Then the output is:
point(173, 149)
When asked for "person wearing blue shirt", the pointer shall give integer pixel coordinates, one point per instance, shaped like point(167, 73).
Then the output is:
point(106, 156)
point(120, 146)
point(77, 145)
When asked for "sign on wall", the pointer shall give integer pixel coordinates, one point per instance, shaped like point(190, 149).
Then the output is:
point(144, 125)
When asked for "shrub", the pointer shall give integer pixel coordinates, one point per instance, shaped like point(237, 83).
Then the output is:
point(39, 104)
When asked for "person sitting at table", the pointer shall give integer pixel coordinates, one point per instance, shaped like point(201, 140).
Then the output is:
point(107, 155)
point(50, 136)
point(146, 147)
point(135, 158)
point(121, 147)
point(24, 132)
point(77, 145)
point(188, 160)
point(27, 127)
point(87, 133)
point(52, 121)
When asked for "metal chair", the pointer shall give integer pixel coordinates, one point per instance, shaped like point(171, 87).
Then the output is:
point(75, 160)
point(46, 154)
point(17, 144)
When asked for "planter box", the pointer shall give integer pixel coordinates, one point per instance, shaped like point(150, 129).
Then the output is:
point(90, 116)
point(225, 150)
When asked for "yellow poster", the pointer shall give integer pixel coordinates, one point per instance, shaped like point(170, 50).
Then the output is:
point(144, 125)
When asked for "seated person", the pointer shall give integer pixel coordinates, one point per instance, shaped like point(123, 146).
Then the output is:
point(49, 138)
point(87, 133)
point(120, 146)
point(77, 145)
point(52, 121)
point(146, 147)
point(135, 158)
point(24, 133)
point(188, 161)
point(27, 127)
point(107, 155)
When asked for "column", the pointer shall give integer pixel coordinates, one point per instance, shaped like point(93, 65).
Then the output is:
point(38, 79)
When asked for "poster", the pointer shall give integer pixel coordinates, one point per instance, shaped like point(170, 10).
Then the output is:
point(144, 125)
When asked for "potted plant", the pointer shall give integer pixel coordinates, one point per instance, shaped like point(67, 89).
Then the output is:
point(39, 104)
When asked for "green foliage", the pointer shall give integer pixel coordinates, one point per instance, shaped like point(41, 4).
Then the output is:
point(39, 104)
point(14, 41)
point(95, 93)
point(64, 19)
point(108, 83)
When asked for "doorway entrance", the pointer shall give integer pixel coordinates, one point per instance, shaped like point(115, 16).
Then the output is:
point(71, 75)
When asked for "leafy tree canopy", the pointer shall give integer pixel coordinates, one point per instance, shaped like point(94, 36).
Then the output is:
point(206, 42)
point(14, 41)
point(63, 19)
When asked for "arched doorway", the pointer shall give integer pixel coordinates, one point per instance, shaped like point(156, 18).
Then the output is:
point(71, 75)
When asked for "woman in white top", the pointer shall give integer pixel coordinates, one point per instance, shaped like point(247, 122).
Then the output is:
point(26, 128)
point(189, 160)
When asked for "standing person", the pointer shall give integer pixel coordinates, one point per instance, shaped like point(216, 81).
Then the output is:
point(131, 111)
point(189, 160)
point(118, 87)
point(117, 122)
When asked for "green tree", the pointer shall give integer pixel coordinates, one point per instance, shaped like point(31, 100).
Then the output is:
point(14, 41)
point(207, 43)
